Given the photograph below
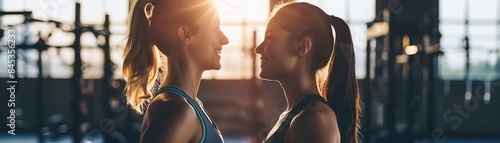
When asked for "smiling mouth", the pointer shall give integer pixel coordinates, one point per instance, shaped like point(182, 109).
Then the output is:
point(263, 61)
point(218, 52)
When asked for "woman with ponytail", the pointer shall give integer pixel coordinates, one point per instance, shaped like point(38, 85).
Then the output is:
point(298, 46)
point(170, 43)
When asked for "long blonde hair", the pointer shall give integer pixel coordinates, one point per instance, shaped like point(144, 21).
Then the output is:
point(140, 58)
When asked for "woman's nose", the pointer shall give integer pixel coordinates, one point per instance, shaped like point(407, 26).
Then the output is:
point(223, 39)
point(259, 48)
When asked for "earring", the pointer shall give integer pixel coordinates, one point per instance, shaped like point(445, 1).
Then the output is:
point(148, 11)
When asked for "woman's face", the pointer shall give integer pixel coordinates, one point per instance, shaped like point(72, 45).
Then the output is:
point(276, 53)
point(206, 44)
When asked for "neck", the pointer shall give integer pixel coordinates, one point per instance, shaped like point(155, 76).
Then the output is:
point(298, 88)
point(185, 76)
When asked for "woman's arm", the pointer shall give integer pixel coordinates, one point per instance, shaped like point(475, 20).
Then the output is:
point(168, 121)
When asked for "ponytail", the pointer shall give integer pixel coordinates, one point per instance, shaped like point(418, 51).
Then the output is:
point(341, 86)
point(140, 58)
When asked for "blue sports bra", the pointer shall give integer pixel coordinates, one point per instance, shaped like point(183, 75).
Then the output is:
point(211, 133)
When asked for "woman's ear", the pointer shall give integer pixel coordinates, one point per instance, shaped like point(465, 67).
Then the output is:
point(304, 46)
point(184, 35)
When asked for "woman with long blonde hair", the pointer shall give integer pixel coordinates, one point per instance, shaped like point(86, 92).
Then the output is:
point(187, 34)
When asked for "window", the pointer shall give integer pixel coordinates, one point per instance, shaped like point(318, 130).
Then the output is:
point(483, 33)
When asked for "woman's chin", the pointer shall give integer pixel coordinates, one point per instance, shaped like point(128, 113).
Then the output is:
point(215, 67)
point(265, 76)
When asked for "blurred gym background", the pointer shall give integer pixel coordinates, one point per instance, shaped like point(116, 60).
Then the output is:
point(429, 71)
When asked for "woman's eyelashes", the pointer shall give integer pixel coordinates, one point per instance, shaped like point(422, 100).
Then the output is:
point(267, 38)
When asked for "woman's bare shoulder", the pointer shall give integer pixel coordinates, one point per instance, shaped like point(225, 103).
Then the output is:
point(168, 106)
point(169, 118)
point(315, 123)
